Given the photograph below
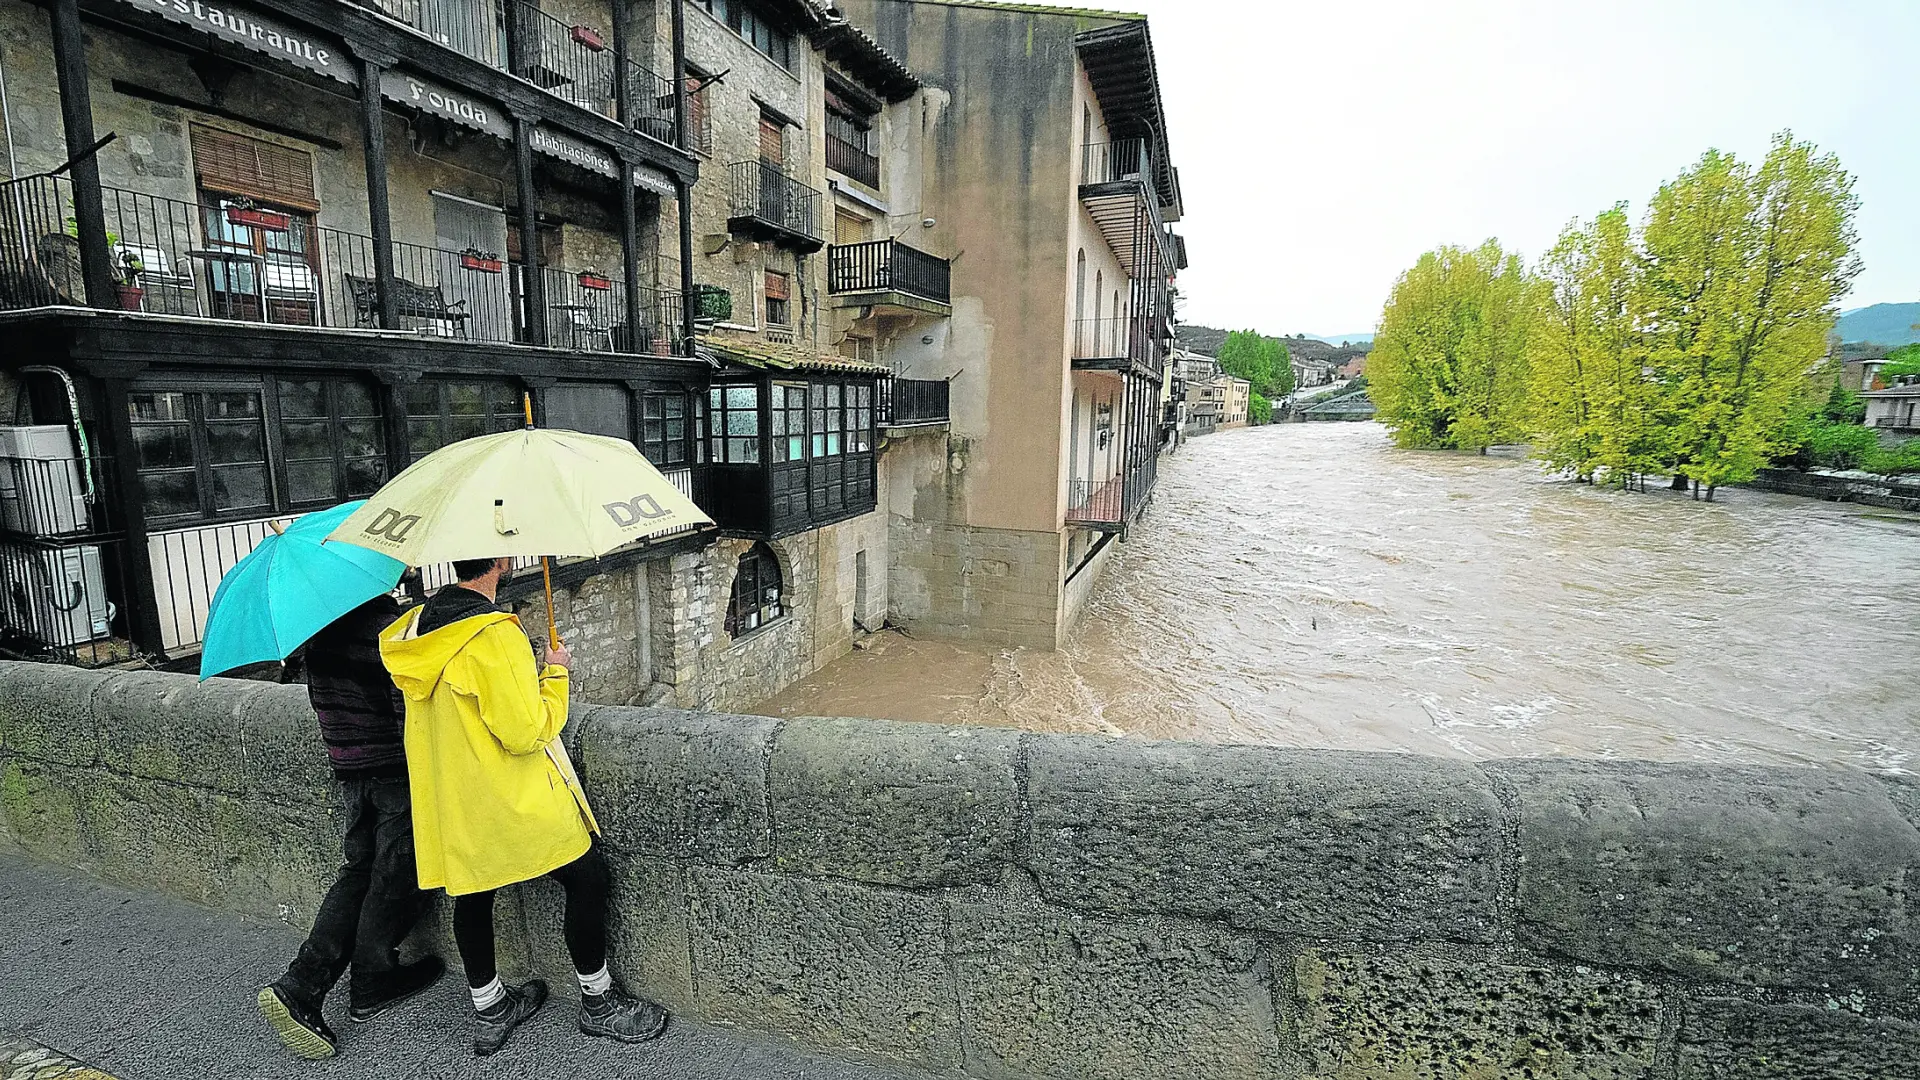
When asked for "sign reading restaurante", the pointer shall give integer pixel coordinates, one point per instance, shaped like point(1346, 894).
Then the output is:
point(259, 33)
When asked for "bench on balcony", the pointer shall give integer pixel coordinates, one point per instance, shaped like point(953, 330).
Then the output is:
point(411, 300)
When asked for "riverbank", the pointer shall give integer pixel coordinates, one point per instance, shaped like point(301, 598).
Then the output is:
point(1312, 586)
point(1867, 489)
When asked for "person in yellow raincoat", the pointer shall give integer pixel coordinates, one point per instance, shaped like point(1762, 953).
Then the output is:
point(496, 800)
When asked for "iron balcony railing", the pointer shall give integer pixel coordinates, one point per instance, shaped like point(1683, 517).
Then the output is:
point(1111, 338)
point(1117, 161)
point(243, 264)
point(572, 61)
point(468, 27)
point(650, 104)
point(848, 153)
point(913, 402)
point(882, 265)
point(1114, 500)
point(764, 194)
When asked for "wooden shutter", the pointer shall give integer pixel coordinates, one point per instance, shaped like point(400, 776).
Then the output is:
point(697, 113)
point(850, 228)
point(237, 165)
point(773, 141)
point(776, 286)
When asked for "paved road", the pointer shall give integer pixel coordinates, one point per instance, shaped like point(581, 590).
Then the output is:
point(146, 987)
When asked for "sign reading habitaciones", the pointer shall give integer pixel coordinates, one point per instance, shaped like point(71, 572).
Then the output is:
point(259, 33)
point(573, 151)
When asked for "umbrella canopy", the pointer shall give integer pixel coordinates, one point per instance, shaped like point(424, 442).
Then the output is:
point(287, 589)
point(526, 492)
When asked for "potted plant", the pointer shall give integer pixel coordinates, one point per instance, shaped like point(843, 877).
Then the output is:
point(588, 38)
point(593, 279)
point(712, 302)
point(128, 269)
point(487, 262)
point(245, 213)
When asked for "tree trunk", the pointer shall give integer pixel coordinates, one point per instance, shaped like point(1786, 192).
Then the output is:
point(1679, 483)
point(1710, 488)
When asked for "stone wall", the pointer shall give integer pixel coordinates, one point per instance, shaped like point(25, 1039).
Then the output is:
point(1893, 492)
point(986, 903)
point(1000, 587)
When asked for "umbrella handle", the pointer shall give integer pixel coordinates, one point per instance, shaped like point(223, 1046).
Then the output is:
point(546, 571)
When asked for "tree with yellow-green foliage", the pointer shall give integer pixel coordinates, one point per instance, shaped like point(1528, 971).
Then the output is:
point(1743, 271)
point(1448, 365)
point(1595, 413)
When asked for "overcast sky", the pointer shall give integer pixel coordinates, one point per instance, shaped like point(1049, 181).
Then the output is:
point(1323, 146)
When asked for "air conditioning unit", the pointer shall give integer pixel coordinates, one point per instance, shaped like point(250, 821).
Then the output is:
point(40, 489)
point(56, 596)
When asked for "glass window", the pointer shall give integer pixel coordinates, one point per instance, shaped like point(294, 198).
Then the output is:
point(201, 452)
point(443, 411)
point(756, 592)
point(331, 438)
point(789, 422)
point(595, 408)
point(663, 435)
point(736, 424)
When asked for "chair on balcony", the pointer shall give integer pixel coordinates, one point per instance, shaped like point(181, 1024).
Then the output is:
point(290, 283)
point(412, 300)
point(170, 287)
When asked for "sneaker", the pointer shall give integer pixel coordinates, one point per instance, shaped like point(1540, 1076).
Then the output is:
point(618, 1015)
point(390, 988)
point(494, 1026)
point(298, 1024)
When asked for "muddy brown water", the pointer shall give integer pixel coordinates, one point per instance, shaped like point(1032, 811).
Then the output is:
point(1309, 585)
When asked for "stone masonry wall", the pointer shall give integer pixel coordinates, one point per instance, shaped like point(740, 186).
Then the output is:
point(986, 903)
point(996, 586)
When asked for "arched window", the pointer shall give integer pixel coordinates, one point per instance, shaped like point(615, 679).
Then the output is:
point(756, 592)
point(1080, 286)
point(1099, 286)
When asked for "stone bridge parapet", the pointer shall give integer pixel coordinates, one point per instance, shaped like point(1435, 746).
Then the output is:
point(987, 903)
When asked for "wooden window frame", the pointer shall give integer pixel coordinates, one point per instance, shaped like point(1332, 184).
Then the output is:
point(725, 445)
point(758, 570)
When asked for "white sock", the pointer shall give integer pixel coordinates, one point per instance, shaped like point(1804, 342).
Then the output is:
point(486, 997)
point(597, 983)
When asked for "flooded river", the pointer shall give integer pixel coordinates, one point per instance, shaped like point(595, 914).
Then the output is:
point(1309, 585)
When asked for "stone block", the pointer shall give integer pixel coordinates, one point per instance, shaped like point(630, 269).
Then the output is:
point(649, 931)
point(1053, 995)
point(151, 834)
point(164, 726)
point(46, 711)
point(275, 860)
point(1726, 1039)
point(834, 966)
point(1395, 1015)
point(42, 811)
point(675, 784)
point(912, 805)
point(1320, 843)
point(283, 759)
point(1766, 876)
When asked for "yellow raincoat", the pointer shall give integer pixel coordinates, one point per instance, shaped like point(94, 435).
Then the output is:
point(495, 798)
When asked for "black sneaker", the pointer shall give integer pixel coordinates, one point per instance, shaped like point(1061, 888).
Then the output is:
point(618, 1015)
point(494, 1026)
point(390, 988)
point(298, 1024)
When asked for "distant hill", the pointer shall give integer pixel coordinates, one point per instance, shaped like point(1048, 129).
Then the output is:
point(1343, 339)
point(1206, 340)
point(1882, 324)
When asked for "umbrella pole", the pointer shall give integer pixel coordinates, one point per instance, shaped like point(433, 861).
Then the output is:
point(546, 564)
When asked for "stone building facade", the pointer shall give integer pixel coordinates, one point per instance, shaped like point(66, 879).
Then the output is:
point(1043, 166)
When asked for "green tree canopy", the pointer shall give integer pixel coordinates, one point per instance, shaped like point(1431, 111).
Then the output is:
point(1449, 365)
point(1262, 361)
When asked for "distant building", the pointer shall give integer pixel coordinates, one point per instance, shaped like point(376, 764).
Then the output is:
point(1235, 401)
point(1204, 394)
point(1354, 368)
point(1896, 408)
point(1860, 374)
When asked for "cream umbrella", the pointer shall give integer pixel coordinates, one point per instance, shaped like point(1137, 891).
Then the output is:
point(534, 491)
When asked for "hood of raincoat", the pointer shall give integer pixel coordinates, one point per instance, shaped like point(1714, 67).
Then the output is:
point(418, 662)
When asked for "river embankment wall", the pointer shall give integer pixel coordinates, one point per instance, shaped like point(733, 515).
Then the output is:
point(994, 904)
point(1892, 492)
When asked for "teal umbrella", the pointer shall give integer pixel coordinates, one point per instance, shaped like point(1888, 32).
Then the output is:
point(290, 587)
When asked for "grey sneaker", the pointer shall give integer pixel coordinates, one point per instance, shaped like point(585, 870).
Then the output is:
point(618, 1015)
point(493, 1027)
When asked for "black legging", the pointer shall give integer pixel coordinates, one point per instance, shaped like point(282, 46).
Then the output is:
point(587, 882)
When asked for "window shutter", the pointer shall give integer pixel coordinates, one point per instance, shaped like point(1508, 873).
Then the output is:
point(237, 165)
point(773, 142)
point(776, 286)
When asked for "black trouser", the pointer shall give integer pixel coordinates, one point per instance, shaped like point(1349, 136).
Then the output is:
point(375, 900)
point(587, 882)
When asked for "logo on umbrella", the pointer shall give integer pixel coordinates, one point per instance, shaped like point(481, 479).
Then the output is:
point(636, 510)
point(392, 525)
